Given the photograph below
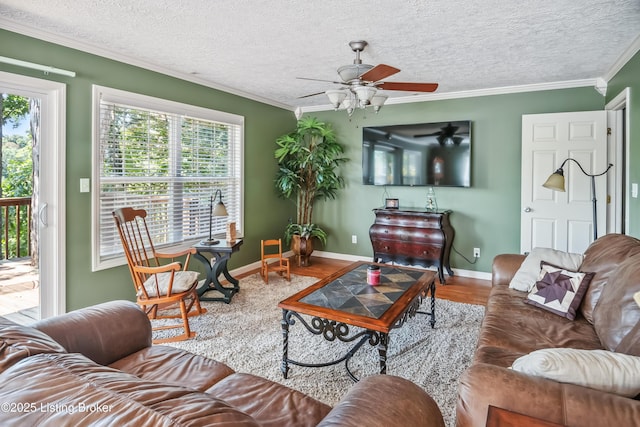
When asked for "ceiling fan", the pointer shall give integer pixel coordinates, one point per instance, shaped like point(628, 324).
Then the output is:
point(446, 135)
point(362, 84)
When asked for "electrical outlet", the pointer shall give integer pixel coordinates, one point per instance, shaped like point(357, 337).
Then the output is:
point(476, 252)
point(354, 239)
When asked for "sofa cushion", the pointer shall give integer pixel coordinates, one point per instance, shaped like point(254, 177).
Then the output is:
point(511, 329)
point(18, 342)
point(180, 281)
point(71, 390)
point(269, 403)
point(602, 258)
point(598, 369)
point(616, 317)
point(558, 290)
point(174, 366)
point(527, 274)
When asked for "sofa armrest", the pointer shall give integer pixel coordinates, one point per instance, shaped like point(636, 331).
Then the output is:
point(104, 333)
point(384, 400)
point(505, 267)
point(483, 384)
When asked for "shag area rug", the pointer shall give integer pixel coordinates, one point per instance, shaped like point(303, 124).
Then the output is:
point(247, 336)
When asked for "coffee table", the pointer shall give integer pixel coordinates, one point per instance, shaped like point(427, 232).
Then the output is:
point(345, 300)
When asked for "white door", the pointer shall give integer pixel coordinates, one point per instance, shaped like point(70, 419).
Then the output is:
point(51, 223)
point(553, 219)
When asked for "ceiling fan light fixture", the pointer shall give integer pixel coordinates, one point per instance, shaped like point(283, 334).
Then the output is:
point(365, 94)
point(362, 84)
point(336, 96)
point(348, 104)
point(378, 100)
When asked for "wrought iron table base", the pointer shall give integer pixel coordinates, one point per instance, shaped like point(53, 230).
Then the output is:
point(332, 330)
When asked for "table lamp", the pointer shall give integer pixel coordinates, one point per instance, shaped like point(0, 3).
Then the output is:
point(214, 211)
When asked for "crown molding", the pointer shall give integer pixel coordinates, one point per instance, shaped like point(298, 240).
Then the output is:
point(474, 93)
point(39, 34)
point(623, 59)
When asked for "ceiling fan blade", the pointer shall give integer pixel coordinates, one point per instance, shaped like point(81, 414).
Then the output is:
point(319, 80)
point(310, 95)
point(379, 72)
point(408, 87)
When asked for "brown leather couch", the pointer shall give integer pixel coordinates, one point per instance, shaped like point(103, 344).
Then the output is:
point(511, 329)
point(97, 366)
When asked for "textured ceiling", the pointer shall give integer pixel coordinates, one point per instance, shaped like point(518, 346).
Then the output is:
point(260, 47)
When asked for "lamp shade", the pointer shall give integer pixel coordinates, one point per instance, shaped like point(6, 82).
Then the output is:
point(219, 209)
point(349, 105)
point(365, 93)
point(555, 181)
point(336, 97)
point(378, 100)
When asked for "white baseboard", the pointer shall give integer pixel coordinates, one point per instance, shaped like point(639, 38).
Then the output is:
point(481, 275)
point(459, 272)
point(253, 266)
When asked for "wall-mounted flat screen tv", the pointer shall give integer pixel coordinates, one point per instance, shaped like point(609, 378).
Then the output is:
point(432, 154)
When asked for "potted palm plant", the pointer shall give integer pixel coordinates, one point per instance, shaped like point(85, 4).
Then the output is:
point(308, 160)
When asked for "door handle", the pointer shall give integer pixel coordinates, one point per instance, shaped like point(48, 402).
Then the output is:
point(528, 209)
point(42, 215)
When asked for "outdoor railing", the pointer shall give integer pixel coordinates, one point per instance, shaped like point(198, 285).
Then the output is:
point(15, 215)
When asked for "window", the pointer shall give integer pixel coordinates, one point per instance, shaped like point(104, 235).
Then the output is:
point(167, 158)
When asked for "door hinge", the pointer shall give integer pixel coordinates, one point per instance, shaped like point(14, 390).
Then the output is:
point(608, 199)
point(608, 131)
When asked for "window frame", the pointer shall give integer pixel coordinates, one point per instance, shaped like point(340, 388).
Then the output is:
point(146, 102)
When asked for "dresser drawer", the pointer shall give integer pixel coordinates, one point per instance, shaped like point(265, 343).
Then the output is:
point(409, 234)
point(420, 221)
point(407, 249)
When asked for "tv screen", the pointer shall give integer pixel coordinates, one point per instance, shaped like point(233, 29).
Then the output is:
point(437, 154)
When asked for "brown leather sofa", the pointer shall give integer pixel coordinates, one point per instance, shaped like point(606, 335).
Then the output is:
point(511, 329)
point(97, 366)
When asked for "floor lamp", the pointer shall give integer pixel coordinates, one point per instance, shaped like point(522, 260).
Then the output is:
point(556, 182)
point(217, 210)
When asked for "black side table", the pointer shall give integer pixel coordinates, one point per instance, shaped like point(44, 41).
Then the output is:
point(215, 266)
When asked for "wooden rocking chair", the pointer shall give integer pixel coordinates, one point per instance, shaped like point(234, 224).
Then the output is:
point(158, 286)
point(272, 260)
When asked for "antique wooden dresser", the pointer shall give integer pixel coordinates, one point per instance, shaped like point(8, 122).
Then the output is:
point(413, 237)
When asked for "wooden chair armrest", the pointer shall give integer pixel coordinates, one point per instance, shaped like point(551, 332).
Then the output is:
point(184, 252)
point(174, 266)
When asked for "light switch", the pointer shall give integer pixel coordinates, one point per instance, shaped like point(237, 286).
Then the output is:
point(634, 189)
point(84, 185)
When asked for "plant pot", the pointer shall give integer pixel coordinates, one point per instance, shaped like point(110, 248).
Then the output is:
point(302, 248)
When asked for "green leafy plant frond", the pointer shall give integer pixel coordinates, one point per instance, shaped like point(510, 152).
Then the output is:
point(309, 159)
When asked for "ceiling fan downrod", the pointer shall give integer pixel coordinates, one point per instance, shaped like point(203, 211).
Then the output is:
point(358, 46)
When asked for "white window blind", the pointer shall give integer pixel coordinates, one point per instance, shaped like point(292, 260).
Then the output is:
point(168, 159)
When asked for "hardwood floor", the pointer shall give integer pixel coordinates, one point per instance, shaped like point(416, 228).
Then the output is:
point(459, 289)
point(19, 293)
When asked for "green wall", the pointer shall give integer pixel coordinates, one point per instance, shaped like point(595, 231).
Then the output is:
point(486, 215)
point(629, 76)
point(265, 215)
